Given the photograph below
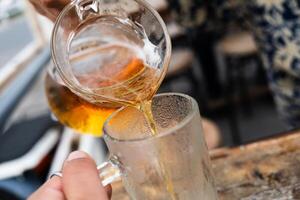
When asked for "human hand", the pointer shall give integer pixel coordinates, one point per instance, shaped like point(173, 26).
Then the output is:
point(49, 8)
point(80, 181)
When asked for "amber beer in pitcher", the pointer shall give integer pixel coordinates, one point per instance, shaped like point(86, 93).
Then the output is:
point(131, 82)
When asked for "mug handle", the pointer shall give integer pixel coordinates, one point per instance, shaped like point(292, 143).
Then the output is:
point(109, 171)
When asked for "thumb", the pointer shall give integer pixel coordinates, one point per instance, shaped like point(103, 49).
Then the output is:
point(81, 178)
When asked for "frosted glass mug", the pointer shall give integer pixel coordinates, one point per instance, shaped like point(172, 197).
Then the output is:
point(172, 164)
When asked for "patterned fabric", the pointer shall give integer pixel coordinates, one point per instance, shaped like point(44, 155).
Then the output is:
point(276, 26)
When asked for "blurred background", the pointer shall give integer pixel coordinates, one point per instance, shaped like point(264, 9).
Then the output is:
point(221, 69)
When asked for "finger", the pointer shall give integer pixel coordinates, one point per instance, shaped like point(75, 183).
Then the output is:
point(49, 8)
point(57, 4)
point(45, 11)
point(81, 178)
point(38, 7)
point(51, 190)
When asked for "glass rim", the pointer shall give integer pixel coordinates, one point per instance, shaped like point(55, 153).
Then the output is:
point(171, 130)
point(70, 84)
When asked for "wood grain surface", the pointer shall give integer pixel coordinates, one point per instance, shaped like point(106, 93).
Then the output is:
point(263, 170)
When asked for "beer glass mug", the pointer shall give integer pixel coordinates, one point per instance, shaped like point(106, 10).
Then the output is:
point(106, 54)
point(173, 164)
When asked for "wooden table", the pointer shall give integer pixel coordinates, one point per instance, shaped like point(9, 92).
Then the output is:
point(263, 170)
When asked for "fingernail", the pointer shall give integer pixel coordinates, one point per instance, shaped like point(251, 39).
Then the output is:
point(76, 155)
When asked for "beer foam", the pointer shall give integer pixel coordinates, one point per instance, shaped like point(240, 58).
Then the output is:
point(151, 53)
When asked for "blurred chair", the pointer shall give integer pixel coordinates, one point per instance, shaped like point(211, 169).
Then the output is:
point(175, 30)
point(240, 44)
point(181, 66)
point(181, 61)
point(237, 49)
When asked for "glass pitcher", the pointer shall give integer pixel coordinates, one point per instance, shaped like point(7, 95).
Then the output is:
point(106, 54)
